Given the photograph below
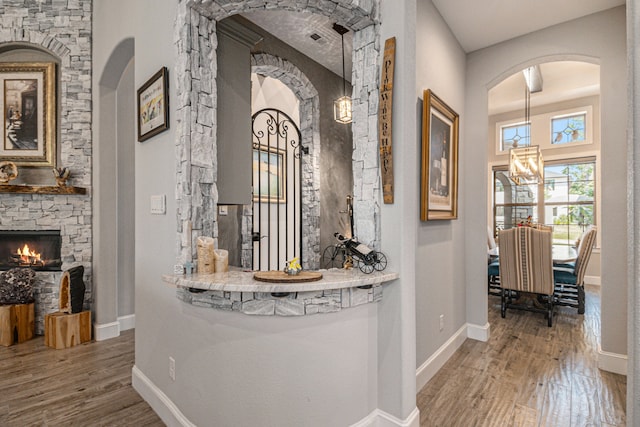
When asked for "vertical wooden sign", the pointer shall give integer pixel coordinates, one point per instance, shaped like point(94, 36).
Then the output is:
point(384, 119)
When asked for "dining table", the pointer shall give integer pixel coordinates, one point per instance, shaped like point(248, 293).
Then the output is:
point(561, 254)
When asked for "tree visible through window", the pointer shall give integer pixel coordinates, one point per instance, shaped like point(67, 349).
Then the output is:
point(566, 200)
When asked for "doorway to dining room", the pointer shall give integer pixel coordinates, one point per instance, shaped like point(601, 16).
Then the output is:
point(564, 122)
point(561, 117)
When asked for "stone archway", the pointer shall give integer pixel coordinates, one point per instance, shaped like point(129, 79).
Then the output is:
point(196, 42)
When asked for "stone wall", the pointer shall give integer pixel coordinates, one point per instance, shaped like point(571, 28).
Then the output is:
point(63, 29)
point(196, 41)
point(292, 304)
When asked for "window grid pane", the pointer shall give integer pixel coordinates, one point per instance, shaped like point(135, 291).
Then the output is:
point(568, 200)
point(515, 136)
point(565, 130)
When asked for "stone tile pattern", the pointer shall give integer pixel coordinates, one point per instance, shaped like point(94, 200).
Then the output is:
point(294, 304)
point(291, 76)
point(196, 42)
point(62, 28)
point(196, 190)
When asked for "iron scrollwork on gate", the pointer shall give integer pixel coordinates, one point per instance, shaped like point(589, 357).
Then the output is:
point(277, 189)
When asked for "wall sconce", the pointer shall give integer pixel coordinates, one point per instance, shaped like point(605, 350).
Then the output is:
point(342, 106)
point(526, 165)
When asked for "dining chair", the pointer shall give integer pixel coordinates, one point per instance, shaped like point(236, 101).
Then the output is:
point(493, 269)
point(526, 266)
point(569, 277)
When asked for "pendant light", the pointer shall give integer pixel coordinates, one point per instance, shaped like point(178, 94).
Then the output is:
point(526, 165)
point(342, 105)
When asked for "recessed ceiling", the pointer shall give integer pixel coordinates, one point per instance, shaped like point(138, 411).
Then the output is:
point(310, 34)
point(561, 81)
point(478, 24)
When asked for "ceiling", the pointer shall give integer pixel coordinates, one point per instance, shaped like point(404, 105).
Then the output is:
point(478, 24)
point(561, 81)
point(475, 24)
point(296, 29)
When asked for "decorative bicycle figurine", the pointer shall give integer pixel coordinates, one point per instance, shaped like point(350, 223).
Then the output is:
point(367, 259)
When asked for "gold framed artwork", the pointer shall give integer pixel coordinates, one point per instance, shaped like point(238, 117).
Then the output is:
point(28, 106)
point(153, 105)
point(269, 174)
point(439, 165)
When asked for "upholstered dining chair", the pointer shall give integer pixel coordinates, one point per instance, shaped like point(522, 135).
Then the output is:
point(493, 276)
point(526, 265)
point(569, 277)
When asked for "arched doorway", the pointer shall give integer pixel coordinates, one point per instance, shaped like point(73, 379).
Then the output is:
point(114, 197)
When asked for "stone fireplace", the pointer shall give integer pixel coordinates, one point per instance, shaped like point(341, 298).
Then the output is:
point(35, 249)
point(60, 30)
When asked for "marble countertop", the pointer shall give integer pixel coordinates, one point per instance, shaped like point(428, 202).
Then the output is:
point(243, 281)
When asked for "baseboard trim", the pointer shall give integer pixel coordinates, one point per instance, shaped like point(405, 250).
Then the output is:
point(106, 331)
point(127, 322)
point(612, 362)
point(428, 369)
point(479, 333)
point(592, 280)
point(159, 402)
point(379, 418)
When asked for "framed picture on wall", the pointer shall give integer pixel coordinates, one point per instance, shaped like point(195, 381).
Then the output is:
point(439, 165)
point(28, 108)
point(269, 174)
point(153, 105)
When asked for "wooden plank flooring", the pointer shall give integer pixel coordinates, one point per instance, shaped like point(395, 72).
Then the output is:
point(86, 385)
point(528, 375)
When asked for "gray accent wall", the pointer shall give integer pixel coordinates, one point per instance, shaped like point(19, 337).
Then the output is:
point(336, 178)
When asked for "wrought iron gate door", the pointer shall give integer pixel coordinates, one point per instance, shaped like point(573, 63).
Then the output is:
point(277, 190)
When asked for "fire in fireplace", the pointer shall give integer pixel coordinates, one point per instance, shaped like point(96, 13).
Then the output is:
point(39, 250)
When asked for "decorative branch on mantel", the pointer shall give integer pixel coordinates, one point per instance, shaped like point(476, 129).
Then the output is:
point(41, 189)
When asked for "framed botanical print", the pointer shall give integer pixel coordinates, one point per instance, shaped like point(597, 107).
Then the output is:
point(28, 109)
point(439, 165)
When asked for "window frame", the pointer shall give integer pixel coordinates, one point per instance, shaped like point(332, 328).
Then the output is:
point(540, 205)
point(540, 130)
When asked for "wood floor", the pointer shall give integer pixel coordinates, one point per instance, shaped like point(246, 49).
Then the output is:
point(528, 375)
point(87, 385)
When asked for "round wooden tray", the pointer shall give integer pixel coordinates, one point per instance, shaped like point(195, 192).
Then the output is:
point(282, 277)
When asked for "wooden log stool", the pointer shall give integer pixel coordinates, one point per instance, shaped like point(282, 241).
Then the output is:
point(70, 326)
point(17, 312)
point(16, 323)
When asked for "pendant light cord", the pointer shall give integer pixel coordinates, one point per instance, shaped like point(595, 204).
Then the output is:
point(344, 83)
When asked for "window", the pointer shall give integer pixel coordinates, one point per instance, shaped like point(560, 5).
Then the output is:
point(566, 201)
point(568, 129)
point(517, 135)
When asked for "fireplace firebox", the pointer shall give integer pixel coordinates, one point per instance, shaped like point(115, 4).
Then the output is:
point(39, 250)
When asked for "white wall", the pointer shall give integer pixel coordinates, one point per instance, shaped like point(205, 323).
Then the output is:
point(124, 177)
point(439, 256)
point(233, 369)
point(575, 40)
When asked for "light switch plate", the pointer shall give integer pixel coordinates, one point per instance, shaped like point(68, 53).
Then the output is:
point(158, 204)
point(223, 210)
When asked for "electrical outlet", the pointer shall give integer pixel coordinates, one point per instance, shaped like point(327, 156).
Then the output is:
point(172, 368)
point(441, 322)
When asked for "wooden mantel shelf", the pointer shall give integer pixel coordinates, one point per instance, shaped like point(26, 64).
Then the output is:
point(41, 189)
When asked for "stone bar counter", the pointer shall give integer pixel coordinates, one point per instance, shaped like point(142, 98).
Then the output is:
point(239, 291)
